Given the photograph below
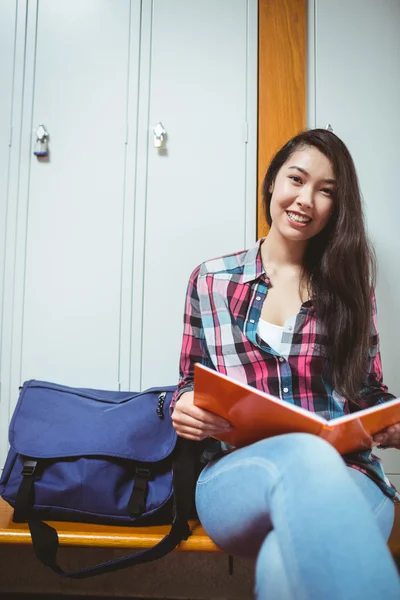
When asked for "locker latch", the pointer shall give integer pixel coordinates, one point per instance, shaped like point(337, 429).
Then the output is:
point(42, 142)
point(159, 136)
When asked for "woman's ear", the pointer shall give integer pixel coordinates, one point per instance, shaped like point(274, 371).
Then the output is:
point(271, 187)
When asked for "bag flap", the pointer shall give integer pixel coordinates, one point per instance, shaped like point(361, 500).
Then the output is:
point(54, 421)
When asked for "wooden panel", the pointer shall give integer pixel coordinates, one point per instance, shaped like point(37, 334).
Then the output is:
point(103, 536)
point(282, 81)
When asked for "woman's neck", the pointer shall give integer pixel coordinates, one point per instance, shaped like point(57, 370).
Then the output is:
point(279, 252)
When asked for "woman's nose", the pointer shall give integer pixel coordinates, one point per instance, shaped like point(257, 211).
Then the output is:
point(305, 198)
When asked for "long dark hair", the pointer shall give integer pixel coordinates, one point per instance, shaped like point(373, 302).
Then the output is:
point(339, 263)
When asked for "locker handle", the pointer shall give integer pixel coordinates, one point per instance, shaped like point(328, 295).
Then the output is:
point(159, 135)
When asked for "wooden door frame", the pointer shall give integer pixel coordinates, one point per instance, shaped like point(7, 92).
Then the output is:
point(282, 40)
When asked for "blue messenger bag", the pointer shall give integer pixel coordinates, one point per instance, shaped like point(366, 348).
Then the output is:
point(98, 457)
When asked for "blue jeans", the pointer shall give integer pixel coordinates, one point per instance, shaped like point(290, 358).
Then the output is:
point(317, 527)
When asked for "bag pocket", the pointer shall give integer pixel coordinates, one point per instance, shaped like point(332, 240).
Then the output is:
point(112, 499)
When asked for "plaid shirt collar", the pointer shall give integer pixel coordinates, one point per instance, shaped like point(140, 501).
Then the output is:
point(252, 263)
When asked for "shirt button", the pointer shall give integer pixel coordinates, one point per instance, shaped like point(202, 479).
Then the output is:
point(281, 359)
point(258, 298)
point(290, 328)
point(286, 390)
point(252, 321)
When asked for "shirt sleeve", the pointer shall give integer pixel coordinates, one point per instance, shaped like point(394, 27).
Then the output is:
point(375, 391)
point(194, 346)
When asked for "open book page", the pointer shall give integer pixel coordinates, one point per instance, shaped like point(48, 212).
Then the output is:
point(256, 415)
point(348, 436)
point(253, 414)
point(354, 432)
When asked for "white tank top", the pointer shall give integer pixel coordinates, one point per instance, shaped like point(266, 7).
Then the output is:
point(272, 335)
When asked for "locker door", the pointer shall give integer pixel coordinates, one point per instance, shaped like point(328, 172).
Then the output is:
point(8, 89)
point(70, 255)
point(7, 39)
point(197, 186)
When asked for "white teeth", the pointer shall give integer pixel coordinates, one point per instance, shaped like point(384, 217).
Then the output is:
point(298, 218)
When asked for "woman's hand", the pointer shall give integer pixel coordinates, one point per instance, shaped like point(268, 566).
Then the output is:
point(194, 423)
point(389, 436)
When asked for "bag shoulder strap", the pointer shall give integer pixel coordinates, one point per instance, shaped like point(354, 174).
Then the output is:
point(45, 538)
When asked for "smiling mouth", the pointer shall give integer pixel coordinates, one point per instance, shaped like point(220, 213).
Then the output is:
point(298, 218)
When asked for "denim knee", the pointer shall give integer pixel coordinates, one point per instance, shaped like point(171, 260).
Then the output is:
point(307, 454)
point(312, 445)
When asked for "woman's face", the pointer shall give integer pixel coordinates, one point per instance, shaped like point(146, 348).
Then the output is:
point(303, 195)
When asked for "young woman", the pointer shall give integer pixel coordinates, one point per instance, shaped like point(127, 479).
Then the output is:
point(295, 316)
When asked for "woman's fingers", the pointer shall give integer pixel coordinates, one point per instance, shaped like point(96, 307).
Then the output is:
point(193, 422)
point(191, 433)
point(194, 415)
point(195, 433)
point(185, 406)
point(389, 436)
point(194, 438)
point(202, 423)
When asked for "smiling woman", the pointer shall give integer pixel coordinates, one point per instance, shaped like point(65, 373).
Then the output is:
point(314, 175)
point(295, 316)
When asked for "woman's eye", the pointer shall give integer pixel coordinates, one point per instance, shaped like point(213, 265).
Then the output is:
point(295, 178)
point(327, 191)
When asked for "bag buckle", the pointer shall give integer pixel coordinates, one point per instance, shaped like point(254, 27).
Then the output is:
point(143, 472)
point(137, 501)
point(29, 467)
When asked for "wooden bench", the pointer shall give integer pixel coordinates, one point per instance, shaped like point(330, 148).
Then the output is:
point(105, 536)
point(83, 534)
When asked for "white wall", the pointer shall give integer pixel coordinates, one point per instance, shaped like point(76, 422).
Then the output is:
point(354, 84)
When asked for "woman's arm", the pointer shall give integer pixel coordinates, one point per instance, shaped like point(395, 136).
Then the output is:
point(189, 420)
point(376, 390)
point(194, 347)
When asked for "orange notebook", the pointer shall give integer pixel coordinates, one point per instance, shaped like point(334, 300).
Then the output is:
point(256, 415)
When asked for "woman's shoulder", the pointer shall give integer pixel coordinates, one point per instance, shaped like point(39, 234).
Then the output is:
point(233, 262)
point(224, 263)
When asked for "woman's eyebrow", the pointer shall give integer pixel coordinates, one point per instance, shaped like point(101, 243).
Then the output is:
point(308, 174)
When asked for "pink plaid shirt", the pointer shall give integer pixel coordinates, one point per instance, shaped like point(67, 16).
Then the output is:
point(223, 306)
